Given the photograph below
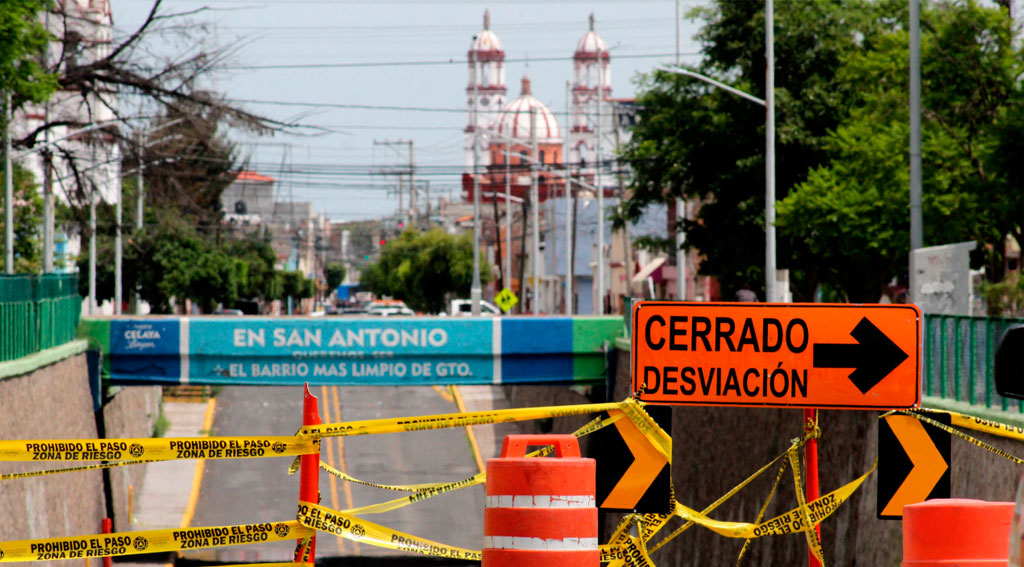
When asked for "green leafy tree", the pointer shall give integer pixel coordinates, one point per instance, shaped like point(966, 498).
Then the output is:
point(695, 141)
point(425, 268)
point(294, 284)
point(841, 165)
point(848, 223)
point(334, 273)
point(22, 45)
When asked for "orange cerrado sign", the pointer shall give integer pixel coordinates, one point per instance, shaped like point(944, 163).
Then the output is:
point(814, 355)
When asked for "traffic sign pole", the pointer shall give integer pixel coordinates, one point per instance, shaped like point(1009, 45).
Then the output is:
point(811, 466)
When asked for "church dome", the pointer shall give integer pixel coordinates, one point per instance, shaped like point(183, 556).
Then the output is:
point(486, 40)
point(591, 43)
point(515, 119)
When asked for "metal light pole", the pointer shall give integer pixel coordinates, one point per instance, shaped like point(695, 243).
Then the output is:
point(475, 292)
point(916, 231)
point(680, 203)
point(769, 154)
point(769, 213)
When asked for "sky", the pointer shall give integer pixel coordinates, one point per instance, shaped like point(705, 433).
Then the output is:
point(326, 65)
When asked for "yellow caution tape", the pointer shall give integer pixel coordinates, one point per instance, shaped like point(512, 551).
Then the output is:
point(150, 541)
point(418, 496)
point(956, 432)
point(424, 487)
point(804, 512)
point(293, 564)
point(796, 520)
point(12, 476)
point(447, 420)
point(157, 449)
point(442, 488)
point(358, 529)
point(661, 440)
point(763, 510)
point(634, 553)
point(714, 505)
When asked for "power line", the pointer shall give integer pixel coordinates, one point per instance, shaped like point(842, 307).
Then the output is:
point(423, 63)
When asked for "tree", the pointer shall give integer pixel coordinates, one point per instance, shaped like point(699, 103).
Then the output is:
point(22, 45)
point(334, 274)
point(424, 269)
point(698, 142)
point(841, 171)
point(848, 223)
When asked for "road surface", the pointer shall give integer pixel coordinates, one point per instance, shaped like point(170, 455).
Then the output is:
point(244, 491)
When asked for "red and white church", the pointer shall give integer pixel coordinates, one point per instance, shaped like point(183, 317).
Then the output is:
point(505, 131)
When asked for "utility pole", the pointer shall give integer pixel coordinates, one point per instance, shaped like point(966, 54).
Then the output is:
point(426, 189)
point(475, 291)
point(769, 197)
point(118, 253)
point(139, 207)
point(48, 205)
point(535, 203)
point(597, 184)
point(568, 206)
point(8, 189)
point(627, 252)
point(680, 203)
point(508, 222)
point(400, 172)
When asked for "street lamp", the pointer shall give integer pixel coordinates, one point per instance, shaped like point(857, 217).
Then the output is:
point(771, 292)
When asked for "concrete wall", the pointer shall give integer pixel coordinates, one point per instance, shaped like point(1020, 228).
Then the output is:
point(714, 449)
point(132, 412)
point(52, 402)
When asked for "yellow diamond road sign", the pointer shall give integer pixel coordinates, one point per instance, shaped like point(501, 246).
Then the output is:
point(506, 299)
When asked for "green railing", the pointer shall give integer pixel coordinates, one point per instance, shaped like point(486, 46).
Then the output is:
point(959, 356)
point(37, 312)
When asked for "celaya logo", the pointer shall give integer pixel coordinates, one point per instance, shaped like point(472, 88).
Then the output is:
point(141, 337)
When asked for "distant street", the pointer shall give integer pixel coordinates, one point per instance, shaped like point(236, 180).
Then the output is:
point(259, 490)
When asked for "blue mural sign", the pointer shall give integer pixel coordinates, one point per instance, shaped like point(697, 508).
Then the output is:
point(354, 351)
point(350, 351)
point(146, 349)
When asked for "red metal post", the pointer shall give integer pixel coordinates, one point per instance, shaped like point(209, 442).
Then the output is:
point(811, 465)
point(106, 527)
point(309, 472)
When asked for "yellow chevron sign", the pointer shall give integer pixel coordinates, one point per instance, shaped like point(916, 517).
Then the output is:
point(913, 463)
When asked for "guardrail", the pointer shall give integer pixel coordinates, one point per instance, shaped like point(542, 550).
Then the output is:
point(959, 359)
point(37, 312)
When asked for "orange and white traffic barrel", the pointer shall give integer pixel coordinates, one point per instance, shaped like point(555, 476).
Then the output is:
point(956, 531)
point(541, 511)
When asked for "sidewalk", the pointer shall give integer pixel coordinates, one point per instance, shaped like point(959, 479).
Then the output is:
point(164, 501)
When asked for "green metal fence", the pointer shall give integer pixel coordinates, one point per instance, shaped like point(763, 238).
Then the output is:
point(959, 356)
point(37, 312)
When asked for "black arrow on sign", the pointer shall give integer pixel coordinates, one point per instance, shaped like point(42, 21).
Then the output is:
point(874, 356)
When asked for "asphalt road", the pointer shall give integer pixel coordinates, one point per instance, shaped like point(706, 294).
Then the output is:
point(242, 491)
